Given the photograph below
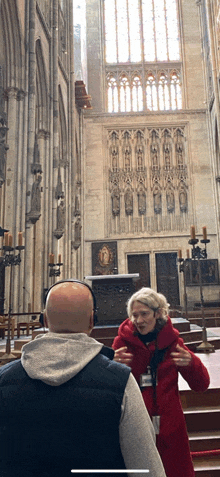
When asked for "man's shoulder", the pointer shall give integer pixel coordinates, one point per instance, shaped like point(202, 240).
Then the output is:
point(10, 369)
point(103, 369)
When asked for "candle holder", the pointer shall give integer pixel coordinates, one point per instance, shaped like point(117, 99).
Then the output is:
point(199, 253)
point(9, 259)
point(183, 266)
point(55, 269)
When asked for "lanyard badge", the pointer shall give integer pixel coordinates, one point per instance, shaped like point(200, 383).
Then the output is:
point(146, 378)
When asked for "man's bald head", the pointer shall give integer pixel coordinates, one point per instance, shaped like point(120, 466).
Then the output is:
point(69, 308)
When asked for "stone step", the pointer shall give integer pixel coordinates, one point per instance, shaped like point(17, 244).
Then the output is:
point(202, 420)
point(198, 314)
point(206, 467)
point(192, 400)
point(181, 324)
point(193, 345)
point(192, 335)
point(210, 322)
point(204, 441)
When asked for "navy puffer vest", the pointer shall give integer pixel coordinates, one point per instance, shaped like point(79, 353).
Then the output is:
point(47, 430)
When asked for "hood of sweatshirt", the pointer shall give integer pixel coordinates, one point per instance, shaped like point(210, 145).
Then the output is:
point(54, 358)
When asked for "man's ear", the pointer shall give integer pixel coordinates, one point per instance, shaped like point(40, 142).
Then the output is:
point(91, 323)
point(45, 320)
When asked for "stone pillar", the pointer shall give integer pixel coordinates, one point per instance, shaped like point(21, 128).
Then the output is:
point(28, 297)
point(11, 182)
point(55, 119)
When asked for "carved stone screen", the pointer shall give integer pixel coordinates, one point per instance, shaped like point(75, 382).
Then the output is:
point(104, 258)
point(167, 277)
point(140, 264)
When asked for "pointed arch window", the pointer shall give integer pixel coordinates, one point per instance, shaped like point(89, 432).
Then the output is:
point(175, 90)
point(112, 94)
point(136, 33)
point(137, 94)
point(125, 94)
point(151, 93)
point(163, 90)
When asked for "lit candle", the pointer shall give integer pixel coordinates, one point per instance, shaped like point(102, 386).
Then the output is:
point(6, 239)
point(180, 253)
point(59, 258)
point(10, 240)
point(204, 232)
point(20, 239)
point(51, 258)
point(187, 253)
point(193, 232)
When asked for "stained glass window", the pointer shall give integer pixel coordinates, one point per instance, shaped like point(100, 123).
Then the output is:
point(139, 32)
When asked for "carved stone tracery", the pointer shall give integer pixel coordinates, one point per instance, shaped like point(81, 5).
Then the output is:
point(148, 166)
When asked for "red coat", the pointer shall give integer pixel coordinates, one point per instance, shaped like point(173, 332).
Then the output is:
point(172, 441)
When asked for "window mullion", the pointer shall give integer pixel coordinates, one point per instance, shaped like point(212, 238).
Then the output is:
point(154, 26)
point(166, 27)
point(116, 26)
point(141, 31)
point(129, 37)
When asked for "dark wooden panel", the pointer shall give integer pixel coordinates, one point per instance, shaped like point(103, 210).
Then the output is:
point(167, 277)
point(140, 264)
point(111, 297)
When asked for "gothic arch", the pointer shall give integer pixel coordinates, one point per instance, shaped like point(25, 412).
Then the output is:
point(11, 35)
point(41, 90)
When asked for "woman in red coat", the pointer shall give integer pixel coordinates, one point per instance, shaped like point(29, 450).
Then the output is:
point(148, 342)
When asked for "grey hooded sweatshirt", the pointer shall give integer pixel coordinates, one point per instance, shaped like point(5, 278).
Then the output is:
point(54, 358)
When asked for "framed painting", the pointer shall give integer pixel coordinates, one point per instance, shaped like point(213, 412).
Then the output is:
point(104, 258)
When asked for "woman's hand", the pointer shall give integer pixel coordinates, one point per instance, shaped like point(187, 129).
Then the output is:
point(121, 356)
point(181, 357)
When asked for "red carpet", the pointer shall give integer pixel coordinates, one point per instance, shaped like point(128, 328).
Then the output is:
point(205, 453)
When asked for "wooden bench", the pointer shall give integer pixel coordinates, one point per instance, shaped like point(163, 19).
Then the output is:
point(27, 326)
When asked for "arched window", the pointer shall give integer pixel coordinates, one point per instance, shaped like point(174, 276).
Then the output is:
point(163, 90)
point(139, 32)
point(175, 90)
point(151, 93)
point(112, 95)
point(125, 94)
point(137, 94)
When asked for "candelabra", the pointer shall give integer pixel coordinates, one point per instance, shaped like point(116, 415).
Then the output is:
point(9, 259)
point(183, 269)
point(197, 253)
point(54, 267)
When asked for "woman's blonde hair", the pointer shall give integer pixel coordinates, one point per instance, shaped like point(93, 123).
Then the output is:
point(152, 299)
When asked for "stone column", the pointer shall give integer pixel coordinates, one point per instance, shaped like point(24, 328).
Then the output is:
point(30, 152)
point(72, 149)
point(11, 182)
point(55, 118)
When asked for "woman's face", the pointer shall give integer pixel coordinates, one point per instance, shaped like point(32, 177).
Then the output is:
point(143, 317)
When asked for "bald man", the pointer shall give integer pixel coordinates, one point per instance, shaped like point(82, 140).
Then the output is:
point(67, 405)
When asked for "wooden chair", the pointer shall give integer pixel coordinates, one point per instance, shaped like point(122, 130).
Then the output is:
point(4, 326)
